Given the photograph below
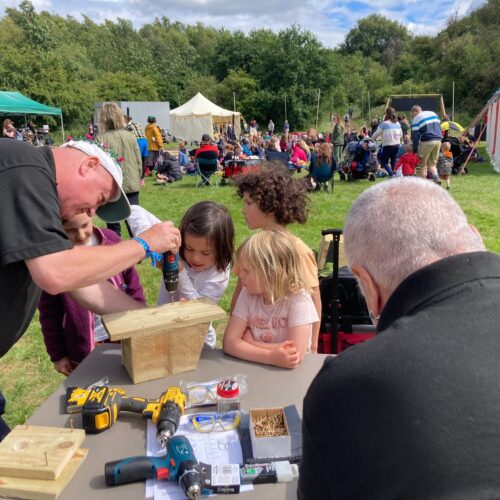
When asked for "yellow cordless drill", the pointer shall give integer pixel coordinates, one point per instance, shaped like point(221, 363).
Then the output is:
point(100, 406)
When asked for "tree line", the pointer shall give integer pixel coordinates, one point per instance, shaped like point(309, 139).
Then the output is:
point(72, 64)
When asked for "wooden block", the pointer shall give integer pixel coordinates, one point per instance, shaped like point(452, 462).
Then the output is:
point(40, 489)
point(153, 356)
point(161, 319)
point(324, 250)
point(36, 452)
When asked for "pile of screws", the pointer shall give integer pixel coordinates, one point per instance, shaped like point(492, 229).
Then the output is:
point(270, 426)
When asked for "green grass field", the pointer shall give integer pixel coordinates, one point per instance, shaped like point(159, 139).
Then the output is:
point(26, 373)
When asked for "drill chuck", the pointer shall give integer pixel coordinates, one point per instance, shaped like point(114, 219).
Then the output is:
point(189, 479)
point(167, 422)
point(163, 437)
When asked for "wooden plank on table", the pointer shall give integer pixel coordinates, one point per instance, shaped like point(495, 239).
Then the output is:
point(161, 318)
point(41, 489)
point(37, 452)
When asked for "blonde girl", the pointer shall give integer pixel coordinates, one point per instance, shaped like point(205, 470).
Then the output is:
point(273, 318)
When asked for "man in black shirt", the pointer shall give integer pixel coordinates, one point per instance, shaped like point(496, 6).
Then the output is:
point(414, 412)
point(40, 188)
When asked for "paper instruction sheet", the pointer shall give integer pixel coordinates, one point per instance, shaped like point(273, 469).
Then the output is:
point(211, 448)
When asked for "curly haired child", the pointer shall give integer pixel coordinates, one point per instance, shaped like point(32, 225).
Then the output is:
point(272, 199)
point(273, 317)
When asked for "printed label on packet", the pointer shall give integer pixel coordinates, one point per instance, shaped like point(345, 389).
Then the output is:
point(224, 475)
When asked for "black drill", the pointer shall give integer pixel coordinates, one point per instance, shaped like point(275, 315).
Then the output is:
point(171, 271)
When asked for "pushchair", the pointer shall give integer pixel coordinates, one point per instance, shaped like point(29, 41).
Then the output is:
point(460, 151)
point(237, 166)
point(359, 161)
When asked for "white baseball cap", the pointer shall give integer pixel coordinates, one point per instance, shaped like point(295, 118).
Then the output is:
point(117, 208)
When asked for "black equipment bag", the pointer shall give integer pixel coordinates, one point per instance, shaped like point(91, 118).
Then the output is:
point(343, 304)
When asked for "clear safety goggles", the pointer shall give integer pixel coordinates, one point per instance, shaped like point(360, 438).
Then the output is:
point(213, 422)
point(202, 393)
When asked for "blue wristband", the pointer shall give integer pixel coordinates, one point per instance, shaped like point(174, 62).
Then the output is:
point(144, 245)
point(155, 257)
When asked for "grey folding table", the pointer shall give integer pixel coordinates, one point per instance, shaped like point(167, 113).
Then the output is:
point(267, 387)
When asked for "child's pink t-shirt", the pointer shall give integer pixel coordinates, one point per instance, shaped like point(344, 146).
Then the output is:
point(270, 322)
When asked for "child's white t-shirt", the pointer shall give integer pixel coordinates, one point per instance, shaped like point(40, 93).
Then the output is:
point(270, 322)
point(209, 283)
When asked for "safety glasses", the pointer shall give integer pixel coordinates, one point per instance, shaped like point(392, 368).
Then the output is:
point(200, 394)
point(213, 422)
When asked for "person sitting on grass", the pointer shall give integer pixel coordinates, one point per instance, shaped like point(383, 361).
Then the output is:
point(300, 156)
point(274, 314)
point(70, 331)
point(183, 156)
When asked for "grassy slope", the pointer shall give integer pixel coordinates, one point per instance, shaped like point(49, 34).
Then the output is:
point(26, 373)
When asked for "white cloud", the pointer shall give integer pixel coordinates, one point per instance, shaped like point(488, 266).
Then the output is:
point(330, 20)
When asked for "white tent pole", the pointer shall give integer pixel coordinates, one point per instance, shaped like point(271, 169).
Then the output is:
point(453, 102)
point(62, 128)
point(317, 109)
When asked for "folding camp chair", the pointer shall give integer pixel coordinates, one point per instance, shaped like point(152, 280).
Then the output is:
point(280, 156)
point(207, 172)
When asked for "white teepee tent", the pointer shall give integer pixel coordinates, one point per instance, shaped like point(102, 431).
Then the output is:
point(493, 130)
point(200, 116)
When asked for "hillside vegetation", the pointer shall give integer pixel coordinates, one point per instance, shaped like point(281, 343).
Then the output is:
point(72, 64)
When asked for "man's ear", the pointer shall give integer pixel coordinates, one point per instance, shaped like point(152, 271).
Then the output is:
point(88, 165)
point(370, 288)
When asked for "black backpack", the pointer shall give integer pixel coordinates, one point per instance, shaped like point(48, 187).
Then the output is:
point(352, 310)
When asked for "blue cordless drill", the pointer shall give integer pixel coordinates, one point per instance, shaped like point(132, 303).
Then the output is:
point(179, 464)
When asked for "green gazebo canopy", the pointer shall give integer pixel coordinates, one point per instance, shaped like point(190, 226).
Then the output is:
point(15, 103)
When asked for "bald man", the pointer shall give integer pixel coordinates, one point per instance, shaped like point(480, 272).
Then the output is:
point(414, 412)
point(39, 189)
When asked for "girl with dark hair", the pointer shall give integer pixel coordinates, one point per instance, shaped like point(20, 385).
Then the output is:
point(391, 133)
point(206, 252)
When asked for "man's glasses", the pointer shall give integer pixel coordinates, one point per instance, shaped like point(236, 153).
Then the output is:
point(213, 422)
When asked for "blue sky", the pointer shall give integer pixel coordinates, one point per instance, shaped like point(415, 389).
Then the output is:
point(329, 20)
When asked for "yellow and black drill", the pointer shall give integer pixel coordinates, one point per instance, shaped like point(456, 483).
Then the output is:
point(100, 406)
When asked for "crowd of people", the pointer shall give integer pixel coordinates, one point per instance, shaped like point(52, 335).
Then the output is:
point(414, 408)
point(390, 146)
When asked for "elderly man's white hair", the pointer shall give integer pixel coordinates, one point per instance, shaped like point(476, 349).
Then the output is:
point(401, 225)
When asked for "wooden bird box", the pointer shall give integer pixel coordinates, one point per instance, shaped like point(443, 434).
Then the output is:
point(163, 340)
